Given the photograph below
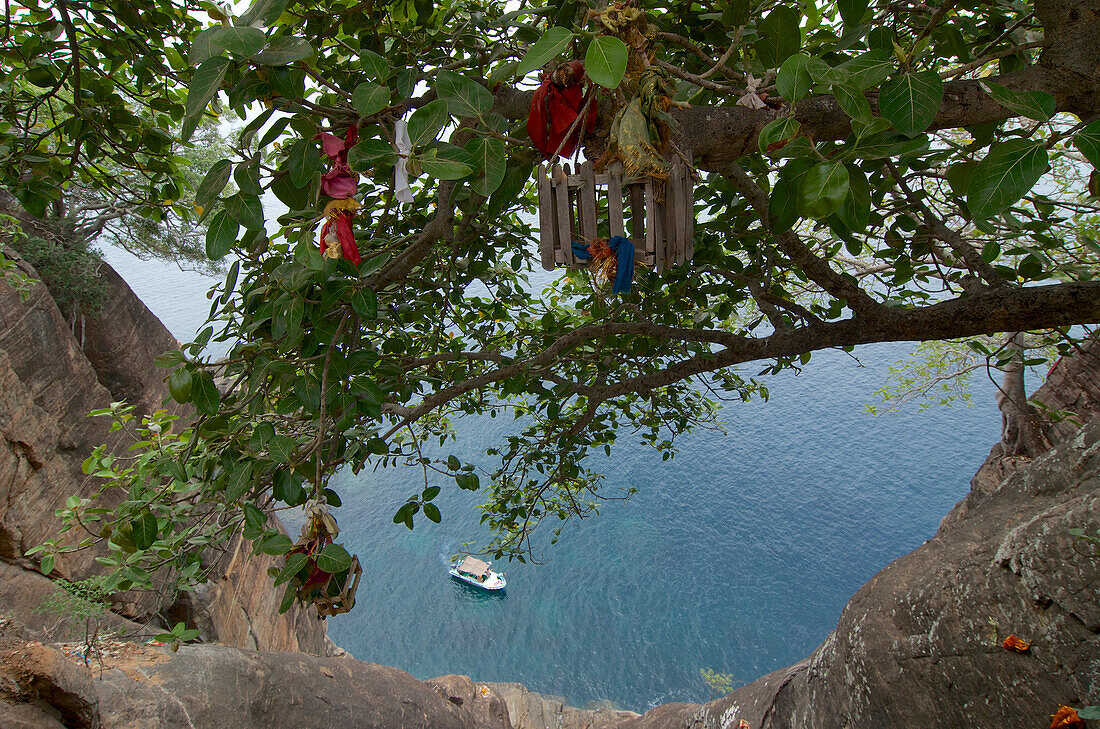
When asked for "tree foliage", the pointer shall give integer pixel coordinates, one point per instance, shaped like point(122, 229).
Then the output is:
point(868, 171)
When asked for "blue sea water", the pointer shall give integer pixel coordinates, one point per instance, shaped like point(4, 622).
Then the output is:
point(738, 555)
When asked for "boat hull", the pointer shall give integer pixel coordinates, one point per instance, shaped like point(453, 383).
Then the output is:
point(495, 583)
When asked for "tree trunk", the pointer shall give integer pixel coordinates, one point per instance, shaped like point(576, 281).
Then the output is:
point(1021, 432)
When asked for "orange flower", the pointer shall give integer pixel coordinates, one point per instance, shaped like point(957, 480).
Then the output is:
point(1066, 718)
point(1012, 643)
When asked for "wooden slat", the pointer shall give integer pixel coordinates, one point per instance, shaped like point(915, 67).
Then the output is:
point(689, 203)
point(652, 241)
point(637, 212)
point(561, 207)
point(587, 206)
point(672, 211)
point(547, 219)
point(615, 200)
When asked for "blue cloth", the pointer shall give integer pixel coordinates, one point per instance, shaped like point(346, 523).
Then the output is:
point(623, 249)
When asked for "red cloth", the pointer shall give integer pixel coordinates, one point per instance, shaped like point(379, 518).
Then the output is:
point(339, 182)
point(554, 108)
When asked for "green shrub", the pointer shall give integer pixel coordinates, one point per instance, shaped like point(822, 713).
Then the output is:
point(69, 270)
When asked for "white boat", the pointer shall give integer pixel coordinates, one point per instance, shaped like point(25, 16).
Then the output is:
point(477, 573)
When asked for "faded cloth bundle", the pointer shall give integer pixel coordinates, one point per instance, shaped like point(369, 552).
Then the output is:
point(602, 253)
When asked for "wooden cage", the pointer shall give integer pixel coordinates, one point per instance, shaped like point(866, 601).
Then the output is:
point(573, 207)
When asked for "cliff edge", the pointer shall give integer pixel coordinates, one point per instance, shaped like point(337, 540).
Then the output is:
point(52, 373)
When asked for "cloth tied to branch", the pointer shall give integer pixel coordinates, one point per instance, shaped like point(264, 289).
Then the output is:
point(752, 98)
point(557, 103)
point(607, 256)
point(402, 191)
point(340, 183)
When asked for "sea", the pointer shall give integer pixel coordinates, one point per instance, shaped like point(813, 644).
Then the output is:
point(736, 556)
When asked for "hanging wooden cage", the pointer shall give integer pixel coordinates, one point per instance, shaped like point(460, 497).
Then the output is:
point(344, 600)
point(573, 206)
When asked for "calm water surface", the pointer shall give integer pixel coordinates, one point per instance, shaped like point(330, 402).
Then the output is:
point(738, 555)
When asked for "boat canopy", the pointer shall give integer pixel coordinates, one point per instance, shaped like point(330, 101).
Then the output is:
point(475, 567)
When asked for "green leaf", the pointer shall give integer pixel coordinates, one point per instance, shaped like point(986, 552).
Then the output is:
point(869, 69)
point(334, 558)
point(213, 182)
point(294, 565)
point(294, 197)
point(447, 162)
point(240, 481)
point(1037, 105)
point(365, 303)
point(852, 11)
point(1009, 170)
point(247, 177)
point(203, 46)
point(281, 448)
point(783, 204)
point(544, 50)
point(276, 545)
point(179, 384)
point(245, 41)
point(284, 50)
point(289, 595)
point(605, 61)
point(144, 531)
point(779, 130)
point(253, 517)
point(204, 393)
point(405, 513)
point(370, 99)
point(1089, 712)
point(430, 493)
point(793, 81)
point(1030, 267)
point(491, 157)
point(204, 86)
point(246, 210)
point(221, 234)
point(374, 66)
point(853, 102)
point(855, 211)
point(46, 565)
point(432, 512)
point(779, 37)
point(263, 12)
point(302, 161)
point(959, 176)
point(427, 121)
point(911, 101)
point(370, 153)
point(822, 190)
point(465, 97)
point(468, 481)
point(169, 359)
point(1087, 142)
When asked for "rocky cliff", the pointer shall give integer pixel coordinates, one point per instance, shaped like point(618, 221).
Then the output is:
point(52, 373)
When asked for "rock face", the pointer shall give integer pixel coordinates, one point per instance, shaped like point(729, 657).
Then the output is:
point(217, 686)
point(530, 710)
point(50, 378)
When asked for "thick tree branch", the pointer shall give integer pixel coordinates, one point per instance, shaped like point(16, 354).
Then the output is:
point(991, 311)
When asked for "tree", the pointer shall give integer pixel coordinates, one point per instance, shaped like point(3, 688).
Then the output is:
point(869, 172)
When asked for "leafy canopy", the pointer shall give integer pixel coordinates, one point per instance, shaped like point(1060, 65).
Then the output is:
point(857, 183)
